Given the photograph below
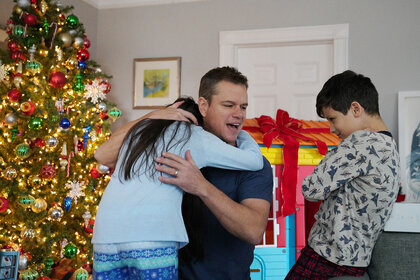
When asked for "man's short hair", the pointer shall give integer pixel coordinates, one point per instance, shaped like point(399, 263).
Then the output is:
point(343, 89)
point(211, 78)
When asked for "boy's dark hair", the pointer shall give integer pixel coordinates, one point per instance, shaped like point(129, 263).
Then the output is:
point(211, 78)
point(143, 139)
point(343, 89)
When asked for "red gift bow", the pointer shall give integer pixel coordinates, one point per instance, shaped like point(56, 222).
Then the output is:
point(288, 129)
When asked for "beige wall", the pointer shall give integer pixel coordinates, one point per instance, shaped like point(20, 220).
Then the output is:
point(384, 39)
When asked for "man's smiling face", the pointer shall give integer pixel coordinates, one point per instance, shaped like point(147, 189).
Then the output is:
point(225, 115)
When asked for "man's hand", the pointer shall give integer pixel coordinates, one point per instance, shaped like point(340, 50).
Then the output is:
point(185, 172)
point(246, 220)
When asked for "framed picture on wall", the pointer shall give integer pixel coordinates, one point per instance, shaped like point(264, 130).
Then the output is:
point(157, 82)
point(409, 143)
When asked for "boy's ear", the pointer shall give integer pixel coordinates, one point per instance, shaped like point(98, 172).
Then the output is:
point(356, 109)
point(203, 106)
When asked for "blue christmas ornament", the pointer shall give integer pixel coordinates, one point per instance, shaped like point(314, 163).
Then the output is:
point(82, 64)
point(86, 138)
point(64, 123)
point(67, 203)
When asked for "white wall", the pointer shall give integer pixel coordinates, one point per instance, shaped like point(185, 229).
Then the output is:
point(384, 41)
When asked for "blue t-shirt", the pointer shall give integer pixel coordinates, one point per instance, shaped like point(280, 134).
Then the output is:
point(226, 256)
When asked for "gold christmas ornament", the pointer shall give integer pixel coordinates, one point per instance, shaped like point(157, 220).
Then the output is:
point(39, 205)
point(17, 9)
point(27, 233)
point(66, 39)
point(35, 181)
point(44, 7)
point(10, 173)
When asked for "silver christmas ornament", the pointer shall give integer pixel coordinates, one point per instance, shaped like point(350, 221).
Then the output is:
point(23, 3)
point(55, 213)
point(17, 80)
point(52, 141)
point(102, 168)
point(23, 262)
point(86, 217)
point(72, 32)
point(11, 119)
point(78, 42)
point(102, 106)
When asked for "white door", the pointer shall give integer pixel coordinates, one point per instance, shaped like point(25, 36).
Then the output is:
point(286, 67)
point(286, 77)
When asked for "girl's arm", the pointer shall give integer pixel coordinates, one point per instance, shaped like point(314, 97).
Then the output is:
point(209, 150)
point(107, 153)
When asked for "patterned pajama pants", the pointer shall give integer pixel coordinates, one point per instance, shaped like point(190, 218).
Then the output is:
point(136, 261)
point(311, 266)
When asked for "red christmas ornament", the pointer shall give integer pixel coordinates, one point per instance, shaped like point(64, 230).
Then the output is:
point(57, 79)
point(103, 115)
point(10, 25)
point(95, 173)
point(83, 54)
point(13, 46)
point(18, 55)
point(107, 85)
point(43, 278)
point(89, 227)
point(14, 94)
point(47, 171)
point(30, 19)
point(22, 56)
point(80, 146)
point(37, 142)
point(27, 108)
point(86, 42)
point(14, 55)
point(4, 204)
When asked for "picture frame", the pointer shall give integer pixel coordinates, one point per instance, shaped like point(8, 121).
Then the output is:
point(409, 143)
point(156, 82)
point(9, 265)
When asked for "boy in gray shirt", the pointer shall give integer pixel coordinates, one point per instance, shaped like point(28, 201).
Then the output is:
point(358, 182)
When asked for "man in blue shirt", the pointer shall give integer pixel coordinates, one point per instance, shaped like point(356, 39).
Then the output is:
point(236, 203)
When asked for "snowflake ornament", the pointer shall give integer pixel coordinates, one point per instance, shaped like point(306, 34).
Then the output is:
point(96, 90)
point(3, 72)
point(76, 190)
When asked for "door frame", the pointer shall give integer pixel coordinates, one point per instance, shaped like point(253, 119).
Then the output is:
point(231, 41)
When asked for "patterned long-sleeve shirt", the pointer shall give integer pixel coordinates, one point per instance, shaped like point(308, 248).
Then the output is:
point(358, 182)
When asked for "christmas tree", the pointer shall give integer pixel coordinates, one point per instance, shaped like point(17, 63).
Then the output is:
point(54, 114)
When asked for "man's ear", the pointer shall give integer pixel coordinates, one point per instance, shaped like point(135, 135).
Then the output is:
point(203, 106)
point(356, 109)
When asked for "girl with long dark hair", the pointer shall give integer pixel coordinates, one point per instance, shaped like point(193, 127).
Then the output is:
point(139, 226)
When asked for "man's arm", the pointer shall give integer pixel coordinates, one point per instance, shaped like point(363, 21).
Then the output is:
point(107, 153)
point(246, 220)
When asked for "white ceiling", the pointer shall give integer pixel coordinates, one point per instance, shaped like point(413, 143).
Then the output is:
point(109, 4)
